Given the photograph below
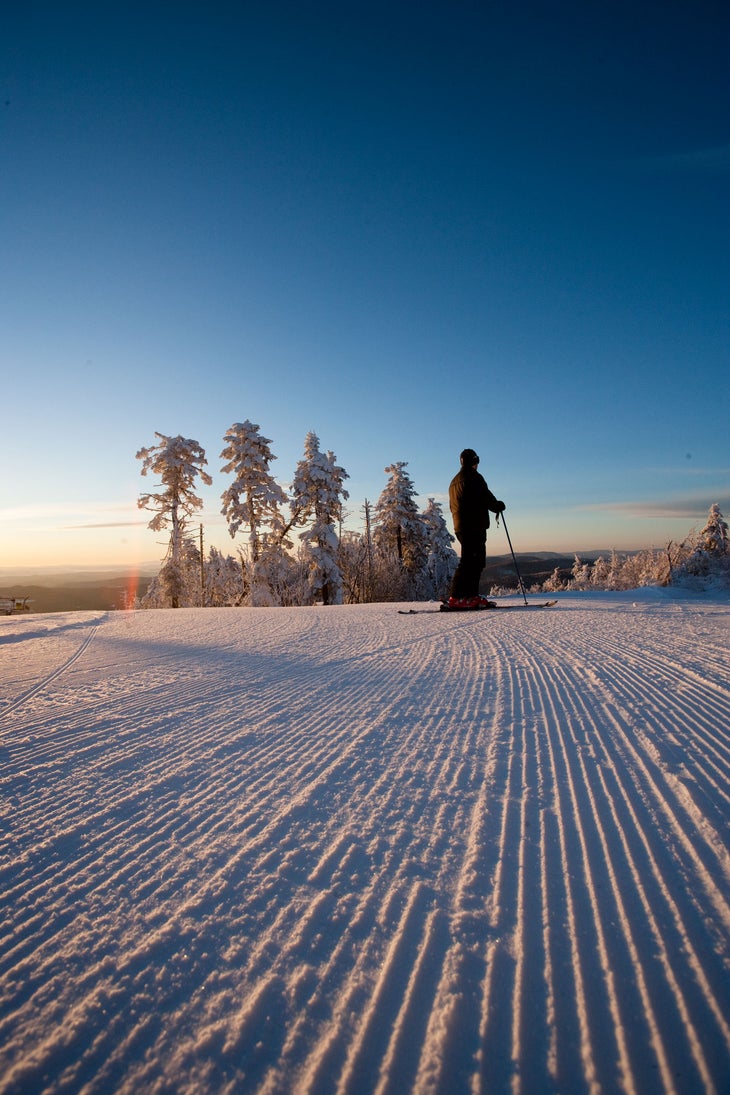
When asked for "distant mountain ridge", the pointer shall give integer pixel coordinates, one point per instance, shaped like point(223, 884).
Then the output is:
point(535, 567)
point(74, 594)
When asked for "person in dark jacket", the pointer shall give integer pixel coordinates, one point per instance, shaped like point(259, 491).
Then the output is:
point(471, 502)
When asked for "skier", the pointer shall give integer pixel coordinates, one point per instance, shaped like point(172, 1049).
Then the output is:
point(470, 501)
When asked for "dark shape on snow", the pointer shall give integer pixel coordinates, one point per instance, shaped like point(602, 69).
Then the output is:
point(481, 608)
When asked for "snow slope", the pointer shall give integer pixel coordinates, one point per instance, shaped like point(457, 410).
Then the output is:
point(341, 849)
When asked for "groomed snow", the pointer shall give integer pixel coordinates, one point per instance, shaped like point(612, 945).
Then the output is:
point(345, 850)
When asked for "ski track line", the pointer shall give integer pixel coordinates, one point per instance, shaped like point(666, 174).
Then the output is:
point(682, 721)
point(28, 694)
point(326, 1065)
point(692, 721)
point(562, 702)
point(658, 682)
point(615, 765)
point(432, 871)
point(681, 920)
point(579, 786)
point(505, 998)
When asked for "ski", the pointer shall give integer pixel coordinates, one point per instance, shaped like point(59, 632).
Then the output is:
point(486, 608)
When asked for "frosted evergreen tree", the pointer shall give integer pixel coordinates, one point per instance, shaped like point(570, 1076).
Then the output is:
point(600, 573)
point(254, 499)
point(580, 574)
point(223, 579)
point(615, 566)
point(649, 567)
point(317, 494)
point(555, 582)
point(177, 461)
point(254, 502)
point(710, 558)
point(713, 538)
point(178, 582)
point(399, 531)
point(284, 577)
point(442, 560)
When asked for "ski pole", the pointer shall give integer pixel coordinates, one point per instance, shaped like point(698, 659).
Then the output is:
point(514, 559)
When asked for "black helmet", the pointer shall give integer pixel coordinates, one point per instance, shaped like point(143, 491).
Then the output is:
point(469, 458)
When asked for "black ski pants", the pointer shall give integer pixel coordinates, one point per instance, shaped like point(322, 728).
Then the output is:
point(465, 582)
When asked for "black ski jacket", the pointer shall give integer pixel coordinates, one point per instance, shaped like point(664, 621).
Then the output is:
point(470, 501)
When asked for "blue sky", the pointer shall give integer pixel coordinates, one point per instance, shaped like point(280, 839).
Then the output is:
point(410, 228)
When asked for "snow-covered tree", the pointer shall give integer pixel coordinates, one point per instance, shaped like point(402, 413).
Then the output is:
point(178, 582)
point(613, 577)
point(317, 494)
point(599, 573)
point(254, 501)
point(283, 577)
point(354, 567)
point(580, 574)
point(651, 566)
point(555, 582)
point(178, 461)
point(399, 534)
point(442, 560)
point(709, 558)
point(223, 579)
point(713, 538)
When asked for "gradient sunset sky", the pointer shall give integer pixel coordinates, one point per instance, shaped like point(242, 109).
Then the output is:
point(409, 227)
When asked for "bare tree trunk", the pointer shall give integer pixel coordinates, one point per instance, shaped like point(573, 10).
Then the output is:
point(669, 563)
point(369, 546)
